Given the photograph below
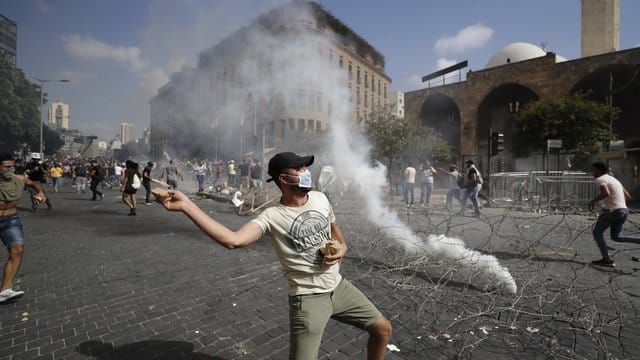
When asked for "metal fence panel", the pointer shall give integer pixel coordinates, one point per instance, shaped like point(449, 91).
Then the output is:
point(542, 191)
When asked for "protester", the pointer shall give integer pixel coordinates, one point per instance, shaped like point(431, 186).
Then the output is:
point(231, 173)
point(472, 185)
point(244, 175)
point(409, 184)
point(455, 180)
point(36, 171)
point(613, 214)
point(97, 175)
point(426, 183)
point(11, 233)
point(129, 183)
point(55, 173)
point(219, 172)
point(200, 171)
point(146, 181)
point(256, 174)
point(80, 174)
point(300, 225)
point(172, 174)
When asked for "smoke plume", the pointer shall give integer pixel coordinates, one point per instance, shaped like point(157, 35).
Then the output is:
point(279, 69)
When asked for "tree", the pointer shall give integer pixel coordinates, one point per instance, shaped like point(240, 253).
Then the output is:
point(19, 114)
point(405, 139)
point(583, 125)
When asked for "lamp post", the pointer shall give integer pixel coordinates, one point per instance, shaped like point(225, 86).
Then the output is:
point(42, 82)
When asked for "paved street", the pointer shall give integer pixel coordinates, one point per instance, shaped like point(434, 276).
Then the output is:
point(100, 284)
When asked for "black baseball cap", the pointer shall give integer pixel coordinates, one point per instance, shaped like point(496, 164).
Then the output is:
point(286, 160)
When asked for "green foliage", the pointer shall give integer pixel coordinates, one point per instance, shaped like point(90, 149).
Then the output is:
point(583, 125)
point(404, 140)
point(19, 112)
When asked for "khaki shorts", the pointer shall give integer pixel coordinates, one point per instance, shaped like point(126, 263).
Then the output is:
point(309, 314)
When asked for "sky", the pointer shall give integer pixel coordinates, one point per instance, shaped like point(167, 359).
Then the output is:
point(117, 53)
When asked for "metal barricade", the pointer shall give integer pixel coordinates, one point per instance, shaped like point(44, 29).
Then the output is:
point(542, 191)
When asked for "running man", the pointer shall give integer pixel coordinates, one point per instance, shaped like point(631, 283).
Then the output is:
point(11, 233)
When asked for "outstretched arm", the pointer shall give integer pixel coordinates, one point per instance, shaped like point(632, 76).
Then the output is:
point(245, 236)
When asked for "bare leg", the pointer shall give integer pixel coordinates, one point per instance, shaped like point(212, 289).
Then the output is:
point(379, 336)
point(125, 199)
point(12, 266)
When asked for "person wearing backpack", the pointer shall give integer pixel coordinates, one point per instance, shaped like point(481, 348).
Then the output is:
point(130, 185)
point(472, 185)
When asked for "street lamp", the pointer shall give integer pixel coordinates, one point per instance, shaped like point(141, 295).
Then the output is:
point(42, 82)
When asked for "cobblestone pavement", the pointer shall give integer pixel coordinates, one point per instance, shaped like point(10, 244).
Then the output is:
point(104, 285)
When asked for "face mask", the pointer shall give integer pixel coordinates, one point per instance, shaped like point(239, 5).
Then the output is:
point(7, 174)
point(304, 179)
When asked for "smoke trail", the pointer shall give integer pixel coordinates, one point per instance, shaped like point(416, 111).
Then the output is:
point(480, 269)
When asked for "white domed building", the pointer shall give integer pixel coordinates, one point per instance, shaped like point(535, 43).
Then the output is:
point(516, 52)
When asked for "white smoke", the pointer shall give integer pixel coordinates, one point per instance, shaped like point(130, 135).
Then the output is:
point(281, 67)
point(479, 269)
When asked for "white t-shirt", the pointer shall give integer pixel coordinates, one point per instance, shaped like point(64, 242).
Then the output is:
point(428, 174)
point(297, 233)
point(410, 175)
point(453, 180)
point(615, 200)
point(118, 170)
point(200, 169)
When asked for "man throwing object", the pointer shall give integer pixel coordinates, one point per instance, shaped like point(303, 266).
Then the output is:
point(301, 226)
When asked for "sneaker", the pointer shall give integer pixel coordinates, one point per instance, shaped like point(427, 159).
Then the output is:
point(10, 294)
point(604, 262)
point(148, 203)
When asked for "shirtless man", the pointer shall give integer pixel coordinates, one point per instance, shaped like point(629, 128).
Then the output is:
point(11, 234)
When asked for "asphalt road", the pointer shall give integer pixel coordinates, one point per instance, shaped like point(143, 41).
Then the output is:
point(104, 285)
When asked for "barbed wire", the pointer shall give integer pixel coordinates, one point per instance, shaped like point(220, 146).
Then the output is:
point(564, 307)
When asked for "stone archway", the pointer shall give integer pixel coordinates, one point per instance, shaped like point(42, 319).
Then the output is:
point(497, 112)
point(441, 112)
point(619, 86)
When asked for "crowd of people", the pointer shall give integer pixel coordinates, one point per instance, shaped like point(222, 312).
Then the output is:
point(303, 227)
point(462, 185)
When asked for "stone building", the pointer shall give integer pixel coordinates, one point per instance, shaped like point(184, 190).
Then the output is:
point(236, 101)
point(489, 99)
point(8, 40)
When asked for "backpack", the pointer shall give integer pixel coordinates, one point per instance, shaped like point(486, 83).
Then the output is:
point(135, 183)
